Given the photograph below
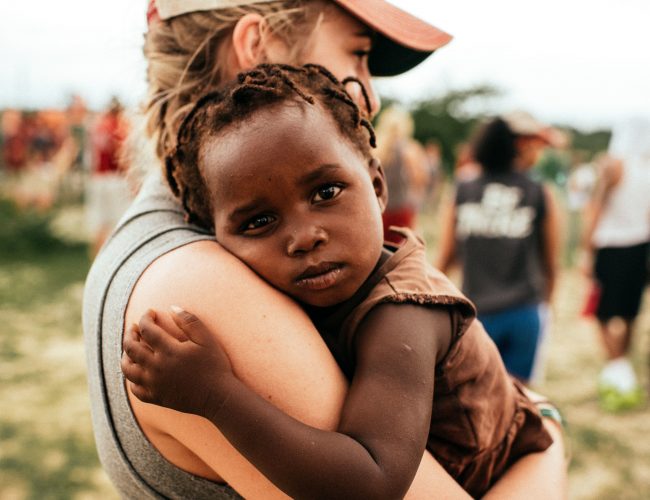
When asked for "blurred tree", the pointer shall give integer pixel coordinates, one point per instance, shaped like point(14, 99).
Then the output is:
point(553, 167)
point(590, 142)
point(555, 164)
point(27, 234)
point(447, 120)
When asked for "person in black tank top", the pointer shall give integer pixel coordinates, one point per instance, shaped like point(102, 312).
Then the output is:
point(502, 228)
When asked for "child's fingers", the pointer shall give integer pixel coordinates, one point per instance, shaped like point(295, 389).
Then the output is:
point(132, 334)
point(192, 326)
point(142, 394)
point(135, 334)
point(139, 352)
point(152, 334)
point(132, 371)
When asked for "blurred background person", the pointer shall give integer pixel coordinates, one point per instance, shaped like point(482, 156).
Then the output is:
point(73, 158)
point(108, 194)
point(466, 168)
point(433, 155)
point(406, 168)
point(616, 252)
point(502, 226)
point(579, 187)
point(37, 179)
point(15, 144)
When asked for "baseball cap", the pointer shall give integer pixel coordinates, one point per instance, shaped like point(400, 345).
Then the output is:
point(523, 123)
point(403, 41)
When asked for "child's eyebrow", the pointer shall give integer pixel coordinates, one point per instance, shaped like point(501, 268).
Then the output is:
point(318, 173)
point(253, 206)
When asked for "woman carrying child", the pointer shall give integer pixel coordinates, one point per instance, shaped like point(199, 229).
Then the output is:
point(156, 259)
point(288, 203)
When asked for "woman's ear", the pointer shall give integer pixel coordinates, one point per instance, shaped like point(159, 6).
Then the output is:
point(248, 41)
point(378, 182)
point(253, 43)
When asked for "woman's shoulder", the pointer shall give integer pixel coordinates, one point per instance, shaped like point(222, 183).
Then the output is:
point(200, 256)
point(203, 275)
point(180, 264)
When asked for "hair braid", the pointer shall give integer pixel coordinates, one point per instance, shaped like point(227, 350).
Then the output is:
point(364, 91)
point(170, 167)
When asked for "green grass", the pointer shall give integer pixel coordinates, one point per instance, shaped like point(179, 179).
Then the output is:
point(54, 465)
point(47, 450)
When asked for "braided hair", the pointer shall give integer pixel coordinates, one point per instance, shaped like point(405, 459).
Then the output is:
point(252, 90)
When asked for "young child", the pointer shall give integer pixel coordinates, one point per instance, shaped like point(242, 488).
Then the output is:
point(279, 164)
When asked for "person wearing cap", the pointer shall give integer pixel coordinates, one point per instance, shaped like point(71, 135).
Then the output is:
point(156, 259)
point(616, 245)
point(406, 168)
point(502, 227)
point(107, 192)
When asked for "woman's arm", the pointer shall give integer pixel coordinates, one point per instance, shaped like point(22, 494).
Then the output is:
point(273, 347)
point(276, 351)
point(536, 476)
point(392, 389)
point(610, 174)
point(433, 481)
point(447, 245)
point(550, 242)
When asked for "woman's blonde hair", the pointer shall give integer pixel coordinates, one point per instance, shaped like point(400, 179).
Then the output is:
point(394, 125)
point(185, 57)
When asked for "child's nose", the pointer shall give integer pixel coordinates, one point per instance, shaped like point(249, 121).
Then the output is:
point(304, 240)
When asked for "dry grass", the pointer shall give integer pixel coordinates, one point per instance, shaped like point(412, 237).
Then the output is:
point(610, 452)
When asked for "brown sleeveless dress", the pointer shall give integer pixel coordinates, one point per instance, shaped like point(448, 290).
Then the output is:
point(482, 422)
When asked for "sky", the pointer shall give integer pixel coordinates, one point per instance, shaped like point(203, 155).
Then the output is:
point(584, 63)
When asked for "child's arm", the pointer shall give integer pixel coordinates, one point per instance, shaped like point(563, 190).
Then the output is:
point(384, 423)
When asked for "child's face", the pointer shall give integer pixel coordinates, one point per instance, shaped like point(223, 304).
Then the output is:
point(297, 202)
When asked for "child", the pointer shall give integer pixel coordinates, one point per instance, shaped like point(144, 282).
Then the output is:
point(298, 197)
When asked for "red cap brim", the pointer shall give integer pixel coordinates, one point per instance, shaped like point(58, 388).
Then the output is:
point(404, 40)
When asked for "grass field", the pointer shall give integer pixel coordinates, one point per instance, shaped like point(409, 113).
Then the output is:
point(46, 444)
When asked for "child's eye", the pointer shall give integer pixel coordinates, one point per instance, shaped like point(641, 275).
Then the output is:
point(327, 192)
point(258, 222)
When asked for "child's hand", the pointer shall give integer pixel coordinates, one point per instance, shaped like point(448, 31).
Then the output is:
point(190, 375)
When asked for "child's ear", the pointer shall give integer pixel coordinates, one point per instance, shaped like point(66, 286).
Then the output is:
point(378, 182)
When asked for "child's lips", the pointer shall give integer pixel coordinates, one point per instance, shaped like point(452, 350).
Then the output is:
point(319, 277)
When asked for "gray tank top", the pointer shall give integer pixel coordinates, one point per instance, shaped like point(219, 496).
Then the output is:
point(153, 226)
